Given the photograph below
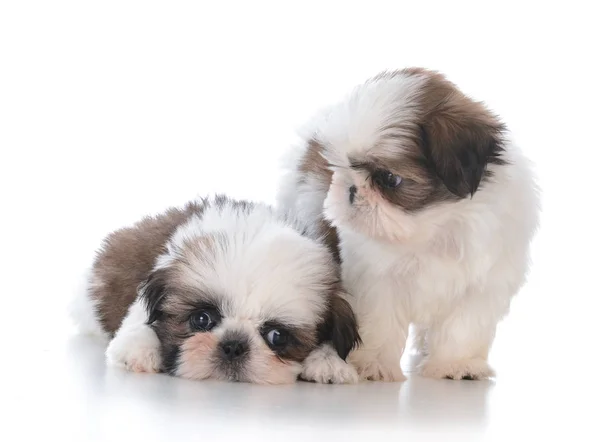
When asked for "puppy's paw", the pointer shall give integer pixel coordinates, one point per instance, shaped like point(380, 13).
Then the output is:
point(377, 371)
point(324, 366)
point(135, 349)
point(467, 369)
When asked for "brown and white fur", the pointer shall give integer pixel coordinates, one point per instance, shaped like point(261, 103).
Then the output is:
point(434, 208)
point(220, 289)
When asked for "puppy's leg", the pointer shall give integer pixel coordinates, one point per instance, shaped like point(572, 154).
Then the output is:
point(458, 346)
point(384, 331)
point(324, 366)
point(378, 360)
point(135, 346)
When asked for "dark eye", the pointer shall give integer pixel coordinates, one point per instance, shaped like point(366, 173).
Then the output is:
point(386, 179)
point(276, 339)
point(204, 320)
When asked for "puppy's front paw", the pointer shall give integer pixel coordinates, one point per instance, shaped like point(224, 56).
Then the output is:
point(135, 349)
point(324, 366)
point(467, 369)
point(377, 371)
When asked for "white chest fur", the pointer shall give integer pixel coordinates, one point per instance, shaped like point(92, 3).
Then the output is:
point(421, 284)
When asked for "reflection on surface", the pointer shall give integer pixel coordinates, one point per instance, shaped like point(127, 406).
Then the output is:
point(156, 402)
point(65, 385)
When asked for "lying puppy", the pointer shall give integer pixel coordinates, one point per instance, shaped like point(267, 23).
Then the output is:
point(220, 289)
point(434, 209)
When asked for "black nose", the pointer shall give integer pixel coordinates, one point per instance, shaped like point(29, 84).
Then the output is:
point(352, 191)
point(233, 349)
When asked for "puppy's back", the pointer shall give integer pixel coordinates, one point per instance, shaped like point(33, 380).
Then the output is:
point(124, 261)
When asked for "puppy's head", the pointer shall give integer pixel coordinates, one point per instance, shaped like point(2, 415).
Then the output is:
point(403, 149)
point(242, 296)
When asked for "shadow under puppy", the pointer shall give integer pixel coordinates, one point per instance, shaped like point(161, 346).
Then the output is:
point(220, 289)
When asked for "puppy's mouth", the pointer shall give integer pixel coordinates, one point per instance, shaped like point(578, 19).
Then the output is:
point(235, 371)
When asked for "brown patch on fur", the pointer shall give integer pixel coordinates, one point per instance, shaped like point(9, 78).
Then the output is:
point(313, 164)
point(329, 236)
point(302, 341)
point(125, 260)
point(340, 326)
point(305, 341)
point(459, 136)
point(419, 187)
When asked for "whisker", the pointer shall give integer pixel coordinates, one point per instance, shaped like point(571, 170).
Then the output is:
point(330, 164)
point(337, 166)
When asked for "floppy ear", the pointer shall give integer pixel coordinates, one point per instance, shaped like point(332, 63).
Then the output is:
point(340, 326)
point(459, 149)
point(152, 293)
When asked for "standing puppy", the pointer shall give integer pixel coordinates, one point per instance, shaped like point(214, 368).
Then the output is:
point(220, 289)
point(434, 209)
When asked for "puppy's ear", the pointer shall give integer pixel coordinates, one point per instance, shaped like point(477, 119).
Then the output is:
point(340, 327)
point(152, 293)
point(459, 147)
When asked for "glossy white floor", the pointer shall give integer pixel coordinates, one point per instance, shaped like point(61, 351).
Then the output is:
point(118, 109)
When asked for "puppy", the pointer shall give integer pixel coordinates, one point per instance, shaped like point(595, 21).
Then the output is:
point(433, 209)
point(220, 289)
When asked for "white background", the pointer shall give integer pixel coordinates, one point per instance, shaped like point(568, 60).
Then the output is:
point(111, 110)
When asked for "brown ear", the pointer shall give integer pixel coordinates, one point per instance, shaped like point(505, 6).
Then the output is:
point(458, 149)
point(340, 327)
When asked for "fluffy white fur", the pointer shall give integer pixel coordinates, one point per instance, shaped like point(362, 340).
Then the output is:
point(250, 247)
point(82, 310)
point(135, 346)
point(450, 269)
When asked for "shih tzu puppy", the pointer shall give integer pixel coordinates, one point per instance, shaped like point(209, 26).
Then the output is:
point(220, 289)
point(433, 209)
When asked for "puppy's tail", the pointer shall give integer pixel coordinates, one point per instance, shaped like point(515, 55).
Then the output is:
point(82, 310)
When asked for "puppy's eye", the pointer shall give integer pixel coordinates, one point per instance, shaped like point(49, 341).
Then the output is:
point(386, 179)
point(276, 338)
point(204, 320)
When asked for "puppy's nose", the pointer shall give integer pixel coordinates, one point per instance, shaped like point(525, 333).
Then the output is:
point(233, 349)
point(352, 193)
